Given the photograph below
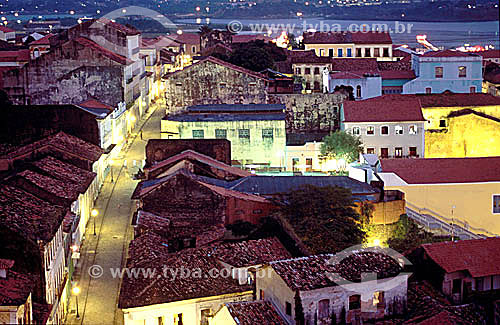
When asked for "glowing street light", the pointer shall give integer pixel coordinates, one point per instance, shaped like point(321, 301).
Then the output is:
point(94, 213)
point(76, 292)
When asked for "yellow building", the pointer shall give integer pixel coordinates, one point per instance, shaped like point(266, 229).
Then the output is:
point(461, 125)
point(256, 131)
point(460, 196)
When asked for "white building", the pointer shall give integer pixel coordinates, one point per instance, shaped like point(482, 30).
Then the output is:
point(364, 85)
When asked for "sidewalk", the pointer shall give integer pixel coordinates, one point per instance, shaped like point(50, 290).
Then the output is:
point(98, 299)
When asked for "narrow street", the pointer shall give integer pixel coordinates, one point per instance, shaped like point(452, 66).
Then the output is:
point(98, 299)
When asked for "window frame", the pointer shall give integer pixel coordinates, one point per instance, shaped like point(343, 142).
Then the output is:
point(219, 136)
point(373, 128)
point(243, 137)
point(382, 127)
point(356, 128)
point(493, 203)
point(372, 149)
point(340, 52)
point(436, 75)
point(399, 128)
point(266, 136)
point(400, 150)
point(358, 302)
point(460, 69)
point(415, 129)
point(202, 132)
point(288, 308)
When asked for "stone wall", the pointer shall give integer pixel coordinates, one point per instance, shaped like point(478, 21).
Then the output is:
point(70, 74)
point(310, 113)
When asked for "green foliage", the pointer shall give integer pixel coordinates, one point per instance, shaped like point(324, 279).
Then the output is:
point(341, 145)
point(324, 218)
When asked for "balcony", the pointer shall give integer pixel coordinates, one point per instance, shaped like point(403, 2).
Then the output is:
point(404, 156)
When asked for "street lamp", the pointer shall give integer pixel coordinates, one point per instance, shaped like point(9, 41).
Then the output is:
point(94, 213)
point(76, 292)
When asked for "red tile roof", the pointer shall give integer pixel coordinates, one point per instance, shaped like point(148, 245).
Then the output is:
point(149, 251)
point(193, 155)
point(449, 99)
point(313, 272)
point(490, 54)
point(66, 190)
point(386, 108)
point(6, 29)
point(254, 312)
point(355, 64)
point(15, 56)
point(15, 289)
point(28, 215)
point(107, 53)
point(92, 103)
point(236, 194)
point(371, 37)
point(127, 30)
point(347, 75)
point(6, 264)
point(397, 74)
point(43, 41)
point(444, 170)
point(475, 256)
point(446, 54)
point(223, 63)
point(187, 38)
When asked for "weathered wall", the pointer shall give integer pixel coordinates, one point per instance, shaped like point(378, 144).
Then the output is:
point(210, 83)
point(315, 113)
point(69, 74)
point(465, 136)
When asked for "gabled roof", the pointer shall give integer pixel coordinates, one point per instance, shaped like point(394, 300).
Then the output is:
point(213, 60)
point(490, 54)
point(319, 271)
point(469, 111)
point(347, 75)
point(107, 53)
point(444, 170)
point(96, 107)
point(386, 108)
point(54, 186)
point(186, 38)
point(368, 37)
point(397, 74)
point(15, 289)
point(127, 30)
point(43, 41)
point(193, 155)
point(475, 256)
point(447, 54)
point(355, 64)
point(254, 312)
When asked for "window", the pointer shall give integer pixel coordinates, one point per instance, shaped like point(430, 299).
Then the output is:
point(267, 134)
point(178, 84)
point(340, 53)
point(462, 72)
point(370, 150)
point(479, 284)
point(354, 302)
point(298, 70)
point(321, 52)
point(472, 89)
point(413, 129)
point(384, 130)
point(288, 308)
point(438, 72)
point(368, 52)
point(428, 90)
point(324, 308)
point(378, 298)
point(220, 133)
point(222, 85)
point(257, 211)
point(178, 319)
point(370, 130)
point(316, 85)
point(316, 70)
point(413, 151)
point(442, 123)
point(198, 134)
point(386, 52)
point(384, 152)
point(457, 286)
point(244, 134)
point(398, 129)
point(376, 52)
point(309, 164)
point(330, 52)
point(160, 320)
point(496, 203)
point(358, 53)
point(398, 152)
point(308, 71)
point(262, 294)
point(193, 49)
point(349, 53)
point(358, 91)
point(295, 163)
point(356, 130)
point(205, 314)
point(308, 86)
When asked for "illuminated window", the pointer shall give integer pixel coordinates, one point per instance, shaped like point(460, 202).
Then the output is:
point(356, 130)
point(438, 72)
point(370, 150)
point(384, 130)
point(462, 72)
point(358, 91)
point(354, 302)
point(378, 298)
point(267, 134)
point(428, 90)
point(399, 129)
point(298, 70)
point(496, 203)
point(413, 129)
point(220, 133)
point(198, 134)
point(398, 152)
point(370, 130)
point(244, 134)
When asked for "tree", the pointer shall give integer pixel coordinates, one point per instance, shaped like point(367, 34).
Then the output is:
point(252, 57)
point(346, 90)
point(324, 218)
point(299, 310)
point(342, 145)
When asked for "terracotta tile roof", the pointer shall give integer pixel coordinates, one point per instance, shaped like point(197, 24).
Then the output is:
point(446, 54)
point(449, 99)
point(236, 194)
point(386, 108)
point(469, 111)
point(107, 53)
point(187, 38)
point(372, 37)
point(63, 142)
point(66, 190)
point(397, 74)
point(147, 221)
point(369, 37)
point(193, 155)
point(43, 41)
point(490, 54)
point(151, 253)
point(93, 103)
point(254, 312)
point(444, 170)
point(223, 63)
point(6, 29)
point(474, 256)
point(65, 172)
point(6, 264)
point(312, 272)
point(28, 215)
point(15, 289)
point(347, 75)
point(355, 64)
point(127, 30)
point(15, 56)
point(251, 252)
